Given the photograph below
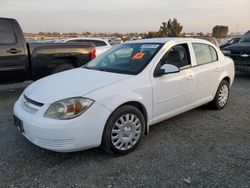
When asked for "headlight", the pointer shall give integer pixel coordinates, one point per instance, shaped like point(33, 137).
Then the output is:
point(68, 108)
point(226, 52)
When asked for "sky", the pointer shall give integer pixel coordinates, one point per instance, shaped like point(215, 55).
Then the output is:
point(126, 15)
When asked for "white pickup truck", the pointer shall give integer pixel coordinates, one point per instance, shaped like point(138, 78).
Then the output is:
point(101, 45)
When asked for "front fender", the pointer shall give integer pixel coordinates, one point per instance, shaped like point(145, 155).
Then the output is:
point(112, 103)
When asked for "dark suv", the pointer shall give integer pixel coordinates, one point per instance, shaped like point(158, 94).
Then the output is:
point(240, 53)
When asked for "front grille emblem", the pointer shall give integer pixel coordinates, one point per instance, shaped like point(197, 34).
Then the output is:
point(244, 55)
point(26, 103)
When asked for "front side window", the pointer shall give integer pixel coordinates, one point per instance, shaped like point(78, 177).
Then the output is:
point(178, 56)
point(204, 53)
point(7, 35)
point(126, 58)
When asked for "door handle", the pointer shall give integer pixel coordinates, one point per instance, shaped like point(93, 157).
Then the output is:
point(13, 51)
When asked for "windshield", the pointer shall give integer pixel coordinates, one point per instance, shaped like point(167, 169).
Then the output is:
point(126, 58)
point(246, 37)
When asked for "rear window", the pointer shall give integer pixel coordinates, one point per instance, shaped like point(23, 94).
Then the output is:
point(7, 35)
point(204, 53)
point(97, 43)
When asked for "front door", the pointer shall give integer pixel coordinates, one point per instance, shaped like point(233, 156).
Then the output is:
point(174, 93)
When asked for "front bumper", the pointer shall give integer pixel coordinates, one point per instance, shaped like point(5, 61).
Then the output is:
point(76, 134)
point(241, 64)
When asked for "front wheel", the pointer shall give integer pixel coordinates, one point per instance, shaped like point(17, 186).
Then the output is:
point(222, 95)
point(124, 130)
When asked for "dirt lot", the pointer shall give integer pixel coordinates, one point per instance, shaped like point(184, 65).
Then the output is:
point(200, 148)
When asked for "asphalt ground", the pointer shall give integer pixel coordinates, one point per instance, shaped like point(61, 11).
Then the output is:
point(200, 148)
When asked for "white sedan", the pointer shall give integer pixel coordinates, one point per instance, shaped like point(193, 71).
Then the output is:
point(101, 45)
point(113, 100)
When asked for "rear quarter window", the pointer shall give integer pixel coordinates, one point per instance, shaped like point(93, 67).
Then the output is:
point(213, 53)
point(7, 34)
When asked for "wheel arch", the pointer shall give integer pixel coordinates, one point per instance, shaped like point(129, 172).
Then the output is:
point(226, 78)
point(141, 107)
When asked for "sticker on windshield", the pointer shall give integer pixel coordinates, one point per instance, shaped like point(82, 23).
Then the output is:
point(150, 46)
point(138, 56)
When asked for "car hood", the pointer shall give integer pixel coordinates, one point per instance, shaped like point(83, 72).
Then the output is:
point(239, 46)
point(72, 83)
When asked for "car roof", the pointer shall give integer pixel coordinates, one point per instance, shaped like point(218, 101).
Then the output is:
point(169, 39)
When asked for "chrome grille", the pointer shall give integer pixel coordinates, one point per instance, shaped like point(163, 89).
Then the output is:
point(30, 105)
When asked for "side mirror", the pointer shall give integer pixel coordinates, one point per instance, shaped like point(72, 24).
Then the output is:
point(167, 69)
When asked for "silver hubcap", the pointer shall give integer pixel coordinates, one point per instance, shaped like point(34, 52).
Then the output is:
point(223, 95)
point(126, 132)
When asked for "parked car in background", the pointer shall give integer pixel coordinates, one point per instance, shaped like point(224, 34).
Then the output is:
point(115, 41)
point(230, 42)
point(20, 60)
point(211, 39)
point(240, 53)
point(101, 45)
point(56, 40)
point(114, 99)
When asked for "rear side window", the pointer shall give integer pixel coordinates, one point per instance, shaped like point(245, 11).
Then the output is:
point(204, 53)
point(7, 35)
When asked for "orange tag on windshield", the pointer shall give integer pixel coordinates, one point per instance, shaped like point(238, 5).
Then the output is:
point(138, 56)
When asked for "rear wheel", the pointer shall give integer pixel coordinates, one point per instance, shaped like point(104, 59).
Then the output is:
point(124, 130)
point(221, 97)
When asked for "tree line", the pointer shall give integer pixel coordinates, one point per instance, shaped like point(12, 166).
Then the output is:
point(173, 28)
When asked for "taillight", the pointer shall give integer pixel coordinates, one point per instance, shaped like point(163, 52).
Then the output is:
point(93, 53)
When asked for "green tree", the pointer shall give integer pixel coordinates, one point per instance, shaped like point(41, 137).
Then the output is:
point(152, 34)
point(163, 32)
point(220, 31)
point(200, 34)
point(171, 29)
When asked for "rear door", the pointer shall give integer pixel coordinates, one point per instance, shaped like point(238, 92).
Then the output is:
point(206, 70)
point(13, 55)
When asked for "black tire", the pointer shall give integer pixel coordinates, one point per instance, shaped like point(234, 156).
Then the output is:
point(107, 143)
point(216, 103)
point(61, 68)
